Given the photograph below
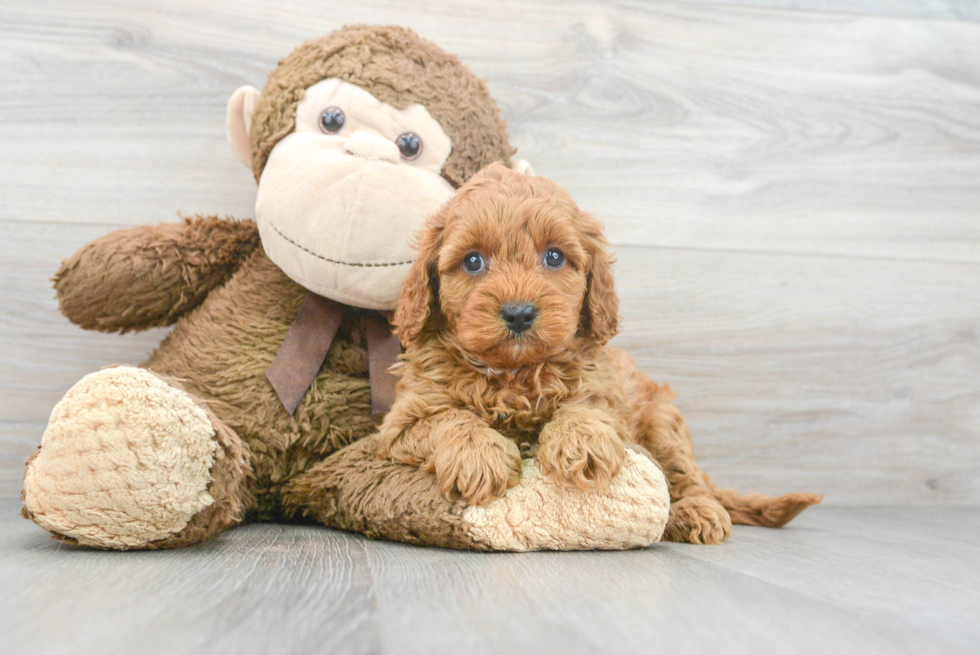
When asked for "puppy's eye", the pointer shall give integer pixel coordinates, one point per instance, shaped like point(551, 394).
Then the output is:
point(332, 120)
point(409, 144)
point(554, 258)
point(474, 263)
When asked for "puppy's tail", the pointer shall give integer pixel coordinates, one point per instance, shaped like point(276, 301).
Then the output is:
point(767, 511)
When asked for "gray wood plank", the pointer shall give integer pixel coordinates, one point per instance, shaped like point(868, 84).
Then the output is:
point(858, 379)
point(844, 134)
point(792, 187)
point(793, 194)
point(954, 524)
point(264, 589)
point(928, 9)
point(867, 561)
point(795, 372)
point(816, 587)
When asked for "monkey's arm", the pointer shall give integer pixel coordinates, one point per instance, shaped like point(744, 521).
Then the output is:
point(148, 276)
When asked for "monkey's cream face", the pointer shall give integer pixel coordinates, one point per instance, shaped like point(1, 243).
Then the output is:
point(341, 197)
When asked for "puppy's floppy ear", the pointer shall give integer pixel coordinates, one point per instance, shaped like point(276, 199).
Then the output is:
point(601, 305)
point(420, 290)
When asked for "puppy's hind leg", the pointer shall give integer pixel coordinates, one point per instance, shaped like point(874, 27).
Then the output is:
point(696, 515)
point(700, 513)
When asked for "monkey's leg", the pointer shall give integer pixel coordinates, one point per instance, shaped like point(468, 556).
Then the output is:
point(354, 489)
point(131, 461)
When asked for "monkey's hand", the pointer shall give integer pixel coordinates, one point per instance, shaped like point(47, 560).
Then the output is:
point(148, 276)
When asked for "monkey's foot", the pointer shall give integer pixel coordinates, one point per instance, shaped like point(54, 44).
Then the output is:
point(125, 461)
point(541, 514)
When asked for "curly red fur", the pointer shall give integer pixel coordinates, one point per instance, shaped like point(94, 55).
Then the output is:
point(473, 392)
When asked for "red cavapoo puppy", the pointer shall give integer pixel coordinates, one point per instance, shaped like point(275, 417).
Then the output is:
point(505, 318)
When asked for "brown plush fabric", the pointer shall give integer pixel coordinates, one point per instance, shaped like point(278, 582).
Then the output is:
point(169, 268)
point(355, 490)
point(233, 307)
point(221, 351)
point(400, 68)
point(124, 507)
point(231, 487)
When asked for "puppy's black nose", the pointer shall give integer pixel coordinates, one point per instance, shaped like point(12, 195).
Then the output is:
point(518, 316)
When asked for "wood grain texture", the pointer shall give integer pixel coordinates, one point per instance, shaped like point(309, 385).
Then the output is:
point(793, 195)
point(929, 9)
point(836, 581)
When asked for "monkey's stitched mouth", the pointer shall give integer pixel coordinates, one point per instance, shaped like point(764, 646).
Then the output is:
point(407, 262)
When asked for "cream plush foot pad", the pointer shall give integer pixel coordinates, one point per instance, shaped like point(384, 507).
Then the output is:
point(125, 460)
point(541, 514)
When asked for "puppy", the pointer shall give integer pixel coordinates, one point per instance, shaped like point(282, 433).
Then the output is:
point(505, 317)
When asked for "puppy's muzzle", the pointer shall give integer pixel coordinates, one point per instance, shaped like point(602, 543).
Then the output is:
point(519, 317)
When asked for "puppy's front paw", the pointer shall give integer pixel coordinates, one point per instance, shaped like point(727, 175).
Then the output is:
point(477, 465)
point(698, 520)
point(581, 450)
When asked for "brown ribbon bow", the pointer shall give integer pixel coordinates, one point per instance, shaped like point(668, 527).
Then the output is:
point(306, 345)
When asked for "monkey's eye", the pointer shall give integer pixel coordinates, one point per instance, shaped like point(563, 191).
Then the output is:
point(554, 258)
point(474, 263)
point(409, 144)
point(332, 120)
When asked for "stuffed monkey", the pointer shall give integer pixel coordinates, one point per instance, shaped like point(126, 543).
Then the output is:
point(263, 401)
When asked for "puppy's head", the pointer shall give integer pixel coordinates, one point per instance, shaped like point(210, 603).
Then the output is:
point(513, 271)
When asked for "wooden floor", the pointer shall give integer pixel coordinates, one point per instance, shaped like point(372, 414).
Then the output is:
point(838, 581)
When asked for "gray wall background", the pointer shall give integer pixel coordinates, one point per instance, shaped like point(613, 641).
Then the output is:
point(792, 188)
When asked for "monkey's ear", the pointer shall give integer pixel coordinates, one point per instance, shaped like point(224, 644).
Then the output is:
point(238, 122)
point(522, 166)
point(420, 291)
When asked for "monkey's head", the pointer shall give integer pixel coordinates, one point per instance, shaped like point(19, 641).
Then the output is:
point(356, 138)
